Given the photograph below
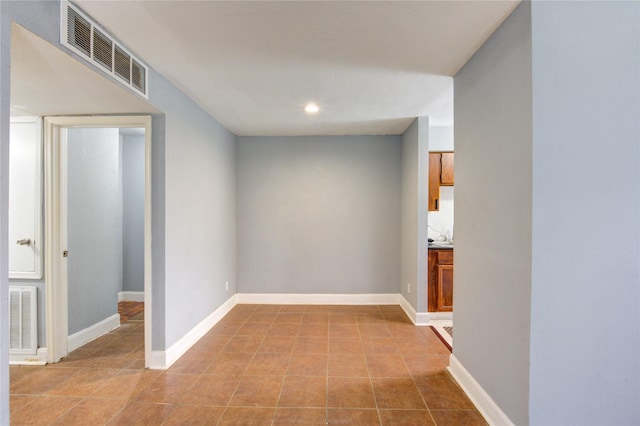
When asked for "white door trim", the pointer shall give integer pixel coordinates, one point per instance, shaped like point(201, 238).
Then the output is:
point(57, 328)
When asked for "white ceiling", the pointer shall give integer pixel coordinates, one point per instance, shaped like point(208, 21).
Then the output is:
point(46, 81)
point(370, 66)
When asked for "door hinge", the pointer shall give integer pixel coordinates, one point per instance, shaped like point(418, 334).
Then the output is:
point(65, 253)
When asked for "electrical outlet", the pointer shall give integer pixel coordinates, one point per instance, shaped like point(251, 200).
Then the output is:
point(409, 288)
point(226, 285)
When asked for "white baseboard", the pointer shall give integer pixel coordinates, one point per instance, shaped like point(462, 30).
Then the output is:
point(423, 318)
point(481, 399)
point(83, 337)
point(318, 299)
point(158, 360)
point(416, 318)
point(131, 296)
point(161, 360)
point(440, 316)
point(40, 358)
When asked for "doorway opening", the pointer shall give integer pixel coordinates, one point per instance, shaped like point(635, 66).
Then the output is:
point(97, 222)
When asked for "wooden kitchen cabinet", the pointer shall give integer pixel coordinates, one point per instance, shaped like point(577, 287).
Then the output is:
point(440, 265)
point(434, 182)
point(446, 169)
point(440, 174)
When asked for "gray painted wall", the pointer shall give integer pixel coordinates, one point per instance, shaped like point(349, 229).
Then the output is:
point(193, 182)
point(547, 131)
point(319, 214)
point(200, 212)
point(414, 199)
point(132, 164)
point(5, 85)
point(94, 225)
point(492, 292)
point(585, 301)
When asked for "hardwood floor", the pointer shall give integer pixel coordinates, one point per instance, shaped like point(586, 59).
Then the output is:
point(260, 365)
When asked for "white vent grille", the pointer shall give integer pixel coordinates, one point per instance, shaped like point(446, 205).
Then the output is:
point(23, 320)
point(82, 35)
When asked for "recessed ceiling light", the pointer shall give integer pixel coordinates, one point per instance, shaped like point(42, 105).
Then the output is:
point(311, 108)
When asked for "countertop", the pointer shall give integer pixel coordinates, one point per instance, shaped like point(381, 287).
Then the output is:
point(436, 245)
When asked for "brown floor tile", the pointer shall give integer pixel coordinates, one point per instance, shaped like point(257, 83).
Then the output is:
point(43, 410)
point(193, 362)
point(289, 317)
point(343, 330)
point(342, 318)
point(397, 393)
point(303, 392)
point(379, 346)
point(230, 363)
point(142, 414)
point(254, 328)
point(257, 391)
point(243, 344)
point(315, 318)
point(311, 345)
point(260, 365)
point(440, 392)
point(389, 365)
point(353, 417)
point(194, 415)
point(350, 392)
point(426, 365)
point(82, 383)
point(242, 416)
point(314, 329)
point(307, 365)
point(168, 388)
point(265, 317)
point(212, 390)
point(267, 363)
point(126, 384)
point(41, 381)
point(17, 401)
point(347, 366)
point(19, 372)
point(378, 330)
point(325, 309)
point(406, 418)
point(293, 308)
point(284, 329)
point(458, 418)
point(345, 345)
point(92, 411)
point(273, 308)
point(300, 416)
point(211, 343)
point(281, 344)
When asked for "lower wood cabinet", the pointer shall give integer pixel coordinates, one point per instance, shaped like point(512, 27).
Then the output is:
point(440, 265)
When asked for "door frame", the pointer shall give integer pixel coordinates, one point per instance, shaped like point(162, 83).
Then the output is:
point(56, 286)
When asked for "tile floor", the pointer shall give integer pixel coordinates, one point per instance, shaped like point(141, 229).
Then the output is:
point(261, 365)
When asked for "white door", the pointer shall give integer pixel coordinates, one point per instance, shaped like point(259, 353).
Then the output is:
point(25, 199)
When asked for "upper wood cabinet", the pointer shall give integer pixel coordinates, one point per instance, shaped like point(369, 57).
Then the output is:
point(446, 171)
point(440, 174)
point(434, 182)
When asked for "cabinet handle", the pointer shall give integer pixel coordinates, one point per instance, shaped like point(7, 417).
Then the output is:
point(436, 204)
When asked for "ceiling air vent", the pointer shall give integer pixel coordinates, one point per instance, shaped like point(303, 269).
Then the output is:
point(82, 35)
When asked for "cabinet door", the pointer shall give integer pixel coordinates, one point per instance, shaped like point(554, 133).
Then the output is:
point(446, 173)
point(445, 288)
point(432, 288)
point(25, 199)
point(434, 182)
